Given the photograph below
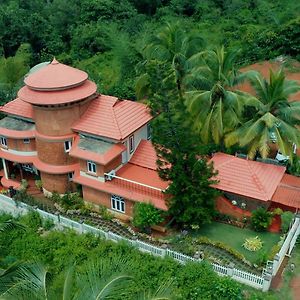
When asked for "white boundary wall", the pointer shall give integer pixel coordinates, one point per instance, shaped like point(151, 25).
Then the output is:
point(259, 282)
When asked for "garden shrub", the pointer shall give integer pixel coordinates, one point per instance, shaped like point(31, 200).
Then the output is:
point(146, 215)
point(261, 219)
point(262, 257)
point(286, 219)
point(253, 244)
point(104, 212)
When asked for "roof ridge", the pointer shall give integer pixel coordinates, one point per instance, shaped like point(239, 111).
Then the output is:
point(115, 120)
point(292, 187)
point(256, 179)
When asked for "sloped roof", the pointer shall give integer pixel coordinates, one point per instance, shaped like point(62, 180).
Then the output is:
point(145, 155)
point(288, 191)
point(18, 107)
point(246, 177)
point(55, 76)
point(110, 117)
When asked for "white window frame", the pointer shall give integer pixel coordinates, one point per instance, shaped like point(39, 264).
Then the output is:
point(71, 176)
point(91, 167)
point(26, 141)
point(67, 146)
point(117, 203)
point(3, 141)
point(131, 144)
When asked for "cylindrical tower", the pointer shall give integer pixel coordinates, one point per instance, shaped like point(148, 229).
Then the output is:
point(59, 95)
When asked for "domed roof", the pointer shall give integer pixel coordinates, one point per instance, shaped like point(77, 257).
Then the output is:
point(55, 76)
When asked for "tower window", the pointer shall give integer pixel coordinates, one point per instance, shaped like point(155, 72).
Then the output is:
point(131, 143)
point(3, 141)
point(68, 145)
point(26, 141)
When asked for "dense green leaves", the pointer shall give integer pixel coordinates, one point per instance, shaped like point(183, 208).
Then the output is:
point(146, 215)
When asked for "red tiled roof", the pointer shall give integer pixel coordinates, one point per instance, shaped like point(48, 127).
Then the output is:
point(116, 119)
point(128, 192)
point(142, 175)
point(88, 88)
point(246, 177)
point(102, 159)
point(145, 155)
point(288, 191)
point(55, 76)
point(19, 108)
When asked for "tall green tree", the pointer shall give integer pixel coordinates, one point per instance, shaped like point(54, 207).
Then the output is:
point(213, 101)
point(174, 46)
point(191, 199)
point(274, 120)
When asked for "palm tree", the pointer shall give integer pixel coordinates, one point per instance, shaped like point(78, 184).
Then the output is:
point(103, 279)
point(174, 46)
point(10, 225)
point(212, 100)
point(275, 119)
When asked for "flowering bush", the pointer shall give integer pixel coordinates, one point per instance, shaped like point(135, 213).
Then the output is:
point(253, 244)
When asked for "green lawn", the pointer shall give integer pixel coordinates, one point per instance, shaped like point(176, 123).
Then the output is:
point(235, 237)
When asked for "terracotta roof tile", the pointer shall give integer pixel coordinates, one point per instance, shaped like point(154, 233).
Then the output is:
point(145, 155)
point(246, 177)
point(18, 107)
point(287, 195)
point(288, 191)
point(114, 187)
point(142, 175)
point(87, 89)
point(116, 119)
point(55, 76)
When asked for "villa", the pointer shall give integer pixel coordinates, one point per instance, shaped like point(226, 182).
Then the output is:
point(61, 130)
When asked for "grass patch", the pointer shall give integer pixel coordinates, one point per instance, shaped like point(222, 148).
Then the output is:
point(235, 237)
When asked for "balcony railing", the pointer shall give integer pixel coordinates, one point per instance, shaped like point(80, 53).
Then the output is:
point(135, 186)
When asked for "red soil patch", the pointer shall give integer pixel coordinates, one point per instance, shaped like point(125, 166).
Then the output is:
point(264, 68)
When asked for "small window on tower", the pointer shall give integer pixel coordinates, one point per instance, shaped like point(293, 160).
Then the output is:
point(91, 166)
point(70, 176)
point(68, 145)
point(26, 141)
point(3, 141)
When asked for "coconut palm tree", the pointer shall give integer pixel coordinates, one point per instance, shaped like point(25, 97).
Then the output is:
point(274, 119)
point(174, 46)
point(213, 100)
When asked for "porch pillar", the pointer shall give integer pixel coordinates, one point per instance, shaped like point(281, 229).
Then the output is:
point(5, 168)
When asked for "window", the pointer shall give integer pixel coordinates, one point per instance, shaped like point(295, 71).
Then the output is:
point(68, 145)
point(148, 131)
point(117, 203)
point(131, 143)
point(70, 176)
point(3, 141)
point(91, 166)
point(26, 141)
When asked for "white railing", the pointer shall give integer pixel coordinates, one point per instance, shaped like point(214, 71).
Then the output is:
point(287, 245)
point(8, 205)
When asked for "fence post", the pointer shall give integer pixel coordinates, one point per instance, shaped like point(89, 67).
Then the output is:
point(275, 264)
point(81, 226)
point(230, 268)
point(267, 282)
point(164, 248)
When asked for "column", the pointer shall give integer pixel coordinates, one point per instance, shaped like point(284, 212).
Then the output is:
point(5, 168)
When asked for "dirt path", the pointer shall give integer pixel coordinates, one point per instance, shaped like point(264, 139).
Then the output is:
point(295, 287)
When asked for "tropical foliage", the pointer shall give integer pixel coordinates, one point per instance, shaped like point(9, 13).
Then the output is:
point(274, 119)
point(146, 215)
point(261, 219)
point(98, 262)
